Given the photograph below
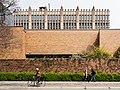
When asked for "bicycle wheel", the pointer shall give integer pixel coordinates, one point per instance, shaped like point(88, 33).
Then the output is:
point(30, 83)
point(42, 82)
point(33, 83)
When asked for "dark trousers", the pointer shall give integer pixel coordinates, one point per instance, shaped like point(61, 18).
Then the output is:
point(93, 78)
point(85, 78)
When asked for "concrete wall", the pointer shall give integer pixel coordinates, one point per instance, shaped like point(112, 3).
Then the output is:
point(59, 42)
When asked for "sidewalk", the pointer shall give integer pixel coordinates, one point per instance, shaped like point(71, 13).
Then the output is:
point(63, 84)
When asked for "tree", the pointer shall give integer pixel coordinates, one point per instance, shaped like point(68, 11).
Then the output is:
point(7, 7)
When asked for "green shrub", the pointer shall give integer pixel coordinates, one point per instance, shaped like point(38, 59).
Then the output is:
point(107, 77)
point(15, 76)
point(102, 77)
point(95, 52)
point(98, 52)
point(76, 77)
point(52, 76)
point(76, 56)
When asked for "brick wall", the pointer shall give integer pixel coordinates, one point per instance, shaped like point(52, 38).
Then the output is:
point(70, 41)
point(16, 44)
point(59, 42)
point(19, 49)
point(110, 40)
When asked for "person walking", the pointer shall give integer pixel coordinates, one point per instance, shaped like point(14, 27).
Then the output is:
point(93, 73)
point(85, 75)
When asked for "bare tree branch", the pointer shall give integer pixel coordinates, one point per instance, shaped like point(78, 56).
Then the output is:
point(6, 8)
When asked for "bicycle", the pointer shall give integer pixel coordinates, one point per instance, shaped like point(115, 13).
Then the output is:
point(38, 82)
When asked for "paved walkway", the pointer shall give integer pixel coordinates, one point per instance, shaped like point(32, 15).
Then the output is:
point(63, 84)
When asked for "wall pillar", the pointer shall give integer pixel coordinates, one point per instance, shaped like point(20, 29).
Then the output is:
point(46, 21)
point(77, 18)
point(61, 18)
point(93, 18)
point(30, 18)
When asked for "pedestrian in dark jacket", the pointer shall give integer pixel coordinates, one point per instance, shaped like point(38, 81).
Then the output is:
point(93, 73)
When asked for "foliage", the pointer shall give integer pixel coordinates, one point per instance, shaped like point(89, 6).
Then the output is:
point(97, 52)
point(15, 76)
point(107, 77)
point(7, 7)
point(75, 56)
point(52, 76)
point(117, 53)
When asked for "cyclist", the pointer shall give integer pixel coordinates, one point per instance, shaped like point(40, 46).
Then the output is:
point(38, 74)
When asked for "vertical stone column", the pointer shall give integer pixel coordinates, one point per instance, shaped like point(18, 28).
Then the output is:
point(99, 25)
point(26, 13)
point(77, 18)
point(86, 24)
point(102, 19)
point(84, 19)
point(20, 17)
point(93, 17)
point(108, 14)
point(55, 19)
point(14, 14)
point(52, 19)
point(46, 20)
point(97, 18)
point(23, 18)
point(30, 17)
point(61, 18)
point(71, 18)
point(105, 18)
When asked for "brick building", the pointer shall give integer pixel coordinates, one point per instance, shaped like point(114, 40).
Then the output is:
point(39, 43)
point(61, 32)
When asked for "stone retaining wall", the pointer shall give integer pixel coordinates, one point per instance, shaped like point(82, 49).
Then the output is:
point(59, 65)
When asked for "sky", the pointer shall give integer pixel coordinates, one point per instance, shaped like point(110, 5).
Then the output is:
point(112, 5)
